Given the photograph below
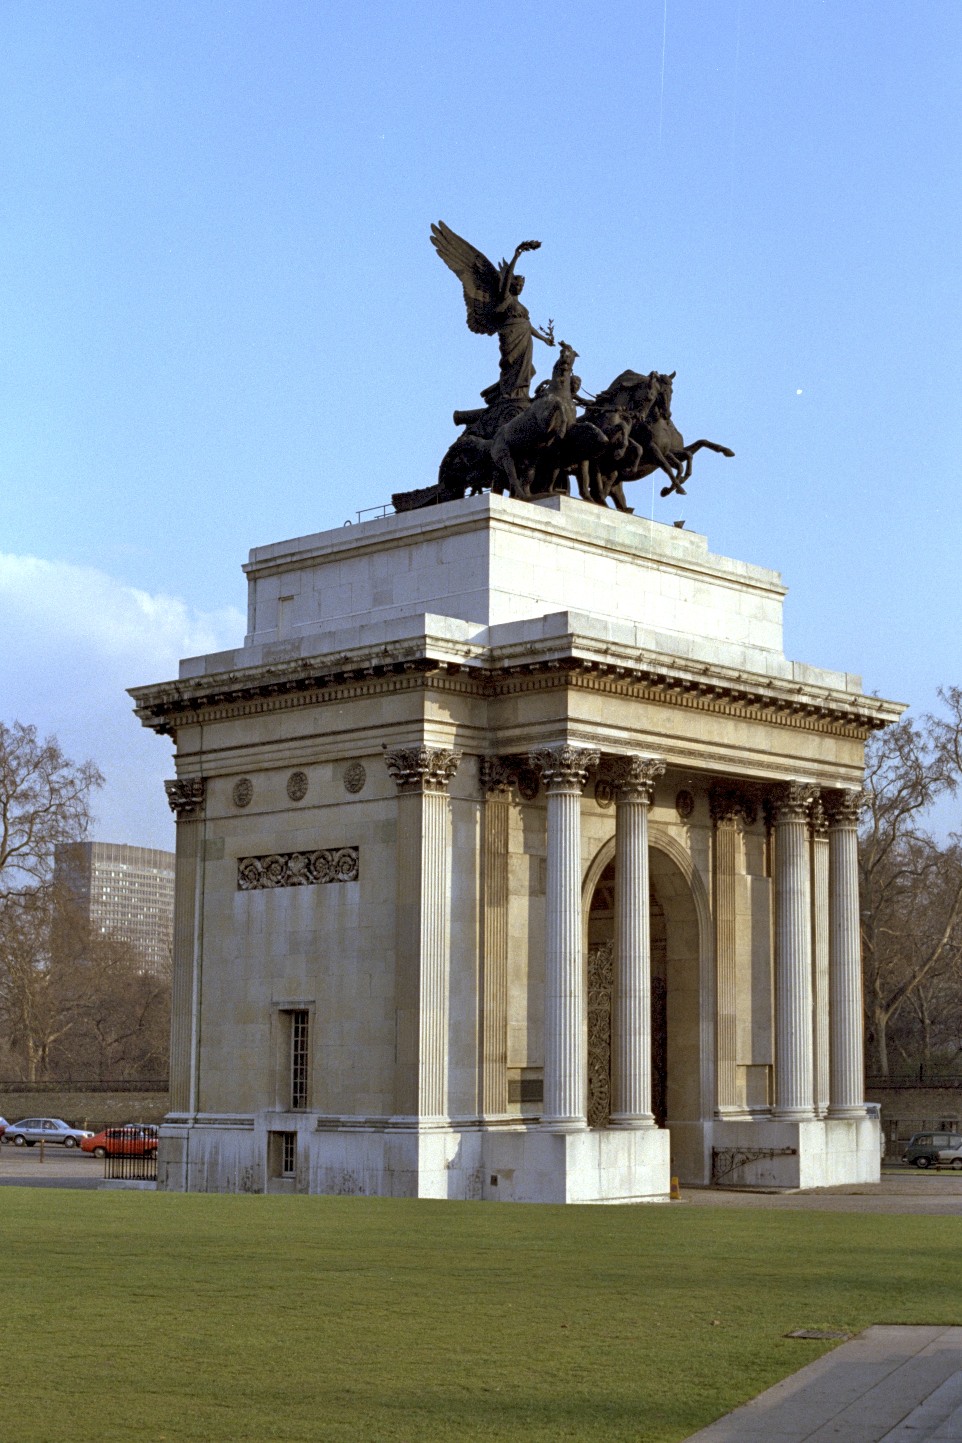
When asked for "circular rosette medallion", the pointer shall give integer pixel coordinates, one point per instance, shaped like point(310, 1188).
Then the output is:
point(354, 778)
point(243, 792)
point(297, 786)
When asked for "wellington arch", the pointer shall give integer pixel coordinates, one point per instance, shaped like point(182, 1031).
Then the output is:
point(515, 861)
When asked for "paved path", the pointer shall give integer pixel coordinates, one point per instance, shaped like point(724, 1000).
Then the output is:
point(61, 1167)
point(898, 1192)
point(889, 1385)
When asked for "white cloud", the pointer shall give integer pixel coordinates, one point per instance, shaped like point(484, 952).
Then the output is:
point(73, 639)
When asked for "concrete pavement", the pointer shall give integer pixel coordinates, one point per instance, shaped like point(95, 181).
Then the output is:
point(888, 1385)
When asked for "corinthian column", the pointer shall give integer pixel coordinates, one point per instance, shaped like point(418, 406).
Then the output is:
point(731, 809)
point(631, 1009)
point(820, 950)
point(564, 770)
point(495, 776)
point(846, 1077)
point(793, 953)
point(422, 941)
point(185, 796)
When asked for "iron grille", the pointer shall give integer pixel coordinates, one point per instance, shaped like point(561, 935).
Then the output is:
point(131, 1154)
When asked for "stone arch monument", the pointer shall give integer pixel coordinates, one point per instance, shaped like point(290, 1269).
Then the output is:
point(479, 772)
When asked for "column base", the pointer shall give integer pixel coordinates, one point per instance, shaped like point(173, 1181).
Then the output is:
point(794, 1114)
point(564, 1124)
point(637, 1121)
point(856, 1111)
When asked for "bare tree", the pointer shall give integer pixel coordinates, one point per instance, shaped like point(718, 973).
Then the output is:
point(39, 1004)
point(44, 800)
point(911, 885)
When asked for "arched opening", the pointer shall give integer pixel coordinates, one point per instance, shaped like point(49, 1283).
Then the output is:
point(601, 936)
point(680, 1047)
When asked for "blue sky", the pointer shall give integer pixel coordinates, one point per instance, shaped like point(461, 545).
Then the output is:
point(222, 324)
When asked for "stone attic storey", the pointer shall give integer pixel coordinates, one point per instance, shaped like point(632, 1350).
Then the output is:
point(514, 862)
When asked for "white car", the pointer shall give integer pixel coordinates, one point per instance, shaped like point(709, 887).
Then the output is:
point(31, 1130)
point(950, 1157)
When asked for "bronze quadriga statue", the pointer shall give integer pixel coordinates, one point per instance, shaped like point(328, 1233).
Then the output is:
point(530, 445)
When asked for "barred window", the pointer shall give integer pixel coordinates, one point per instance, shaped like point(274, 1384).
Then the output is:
point(299, 1057)
point(288, 1154)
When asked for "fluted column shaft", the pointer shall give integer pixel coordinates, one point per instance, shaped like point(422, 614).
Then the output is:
point(846, 1066)
point(631, 1010)
point(186, 799)
point(564, 770)
point(495, 778)
point(423, 934)
point(820, 952)
point(793, 955)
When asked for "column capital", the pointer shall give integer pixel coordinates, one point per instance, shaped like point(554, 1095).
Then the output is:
point(634, 777)
point(790, 802)
point(495, 775)
point(185, 797)
point(730, 802)
point(843, 805)
point(421, 769)
point(818, 817)
point(564, 768)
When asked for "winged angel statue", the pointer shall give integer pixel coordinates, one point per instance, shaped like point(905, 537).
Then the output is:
point(491, 295)
point(530, 445)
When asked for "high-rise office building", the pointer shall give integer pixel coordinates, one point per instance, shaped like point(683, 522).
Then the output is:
point(125, 892)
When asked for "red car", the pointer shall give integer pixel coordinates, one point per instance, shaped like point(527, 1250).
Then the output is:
point(131, 1140)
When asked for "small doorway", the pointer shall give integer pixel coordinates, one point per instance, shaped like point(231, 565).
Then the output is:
point(601, 940)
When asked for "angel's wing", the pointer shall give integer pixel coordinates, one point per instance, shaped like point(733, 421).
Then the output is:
point(477, 275)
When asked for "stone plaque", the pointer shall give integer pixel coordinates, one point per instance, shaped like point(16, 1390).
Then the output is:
point(684, 805)
point(297, 786)
point(243, 792)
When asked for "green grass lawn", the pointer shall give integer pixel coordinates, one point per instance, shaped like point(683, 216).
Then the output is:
point(163, 1317)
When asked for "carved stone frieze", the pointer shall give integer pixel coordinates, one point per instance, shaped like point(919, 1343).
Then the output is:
point(564, 767)
point(421, 769)
point(185, 797)
point(298, 869)
point(732, 802)
point(844, 806)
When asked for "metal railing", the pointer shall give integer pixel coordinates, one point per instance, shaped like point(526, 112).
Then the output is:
point(131, 1154)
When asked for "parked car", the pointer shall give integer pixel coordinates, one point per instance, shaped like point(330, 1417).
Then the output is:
point(3, 1126)
point(132, 1139)
point(924, 1147)
point(950, 1157)
point(31, 1130)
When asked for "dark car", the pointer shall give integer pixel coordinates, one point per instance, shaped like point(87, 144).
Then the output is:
point(924, 1147)
point(31, 1130)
